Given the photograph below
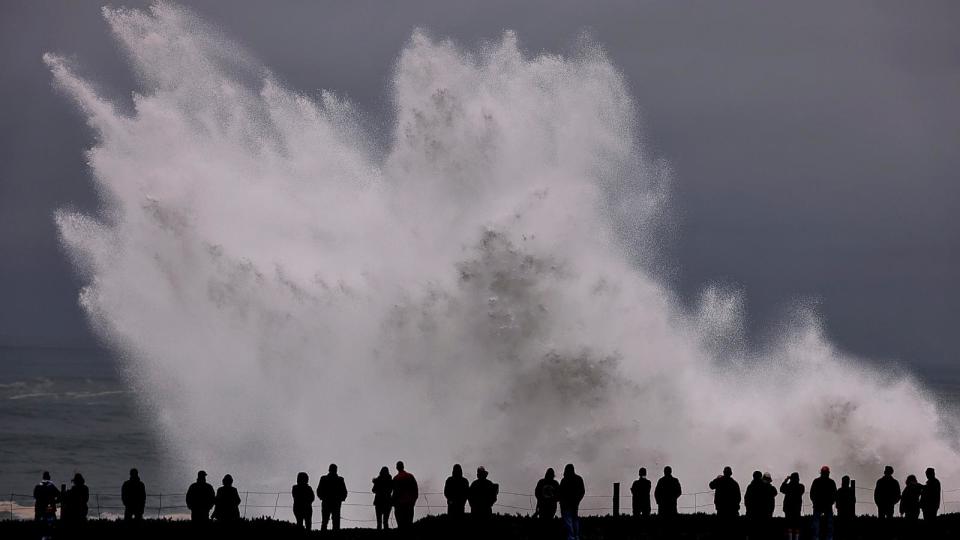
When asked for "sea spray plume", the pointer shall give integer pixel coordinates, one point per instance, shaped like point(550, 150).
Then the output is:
point(286, 296)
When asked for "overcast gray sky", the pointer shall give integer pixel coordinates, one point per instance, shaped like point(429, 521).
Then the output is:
point(814, 144)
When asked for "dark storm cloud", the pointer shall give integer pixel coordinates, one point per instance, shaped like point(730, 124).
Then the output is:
point(814, 144)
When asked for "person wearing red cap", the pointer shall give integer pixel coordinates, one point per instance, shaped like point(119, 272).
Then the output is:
point(823, 495)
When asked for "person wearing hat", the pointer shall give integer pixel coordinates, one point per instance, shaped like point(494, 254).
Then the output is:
point(886, 494)
point(770, 497)
point(75, 500)
point(200, 498)
point(823, 495)
point(482, 495)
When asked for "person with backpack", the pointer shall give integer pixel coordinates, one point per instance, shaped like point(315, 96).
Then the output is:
point(547, 494)
point(46, 497)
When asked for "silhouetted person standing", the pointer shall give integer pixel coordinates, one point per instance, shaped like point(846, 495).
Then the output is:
point(667, 493)
point(303, 501)
point(886, 495)
point(640, 491)
point(200, 498)
point(846, 500)
point(823, 495)
point(910, 499)
point(726, 494)
point(382, 498)
point(75, 500)
point(331, 491)
point(846, 507)
point(792, 491)
point(770, 497)
point(133, 494)
point(572, 491)
point(456, 490)
point(226, 503)
point(930, 497)
point(547, 494)
point(755, 501)
point(46, 497)
point(482, 495)
point(405, 495)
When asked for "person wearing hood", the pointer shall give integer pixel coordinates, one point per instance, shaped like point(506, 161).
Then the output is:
point(547, 494)
point(754, 500)
point(303, 498)
point(226, 503)
point(456, 490)
point(572, 491)
point(46, 497)
point(133, 495)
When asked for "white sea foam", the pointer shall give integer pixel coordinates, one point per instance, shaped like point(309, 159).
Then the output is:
point(286, 295)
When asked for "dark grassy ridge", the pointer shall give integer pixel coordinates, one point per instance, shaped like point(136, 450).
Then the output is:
point(699, 526)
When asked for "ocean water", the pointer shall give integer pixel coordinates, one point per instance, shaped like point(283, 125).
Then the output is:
point(67, 411)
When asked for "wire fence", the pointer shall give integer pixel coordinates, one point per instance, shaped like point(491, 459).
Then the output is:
point(358, 508)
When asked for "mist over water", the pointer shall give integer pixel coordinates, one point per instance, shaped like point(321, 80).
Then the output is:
point(286, 294)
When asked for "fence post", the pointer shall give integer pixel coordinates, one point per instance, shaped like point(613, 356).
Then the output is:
point(275, 505)
point(695, 506)
point(245, 495)
point(616, 499)
point(160, 507)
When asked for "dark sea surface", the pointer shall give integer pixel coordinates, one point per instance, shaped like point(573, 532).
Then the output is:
point(67, 411)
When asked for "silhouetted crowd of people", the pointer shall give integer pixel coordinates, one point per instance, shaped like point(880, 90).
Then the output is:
point(399, 493)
